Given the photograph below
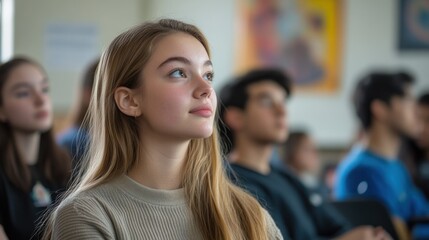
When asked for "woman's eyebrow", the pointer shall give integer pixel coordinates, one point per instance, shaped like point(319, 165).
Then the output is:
point(175, 59)
point(25, 84)
point(20, 85)
point(208, 63)
point(182, 60)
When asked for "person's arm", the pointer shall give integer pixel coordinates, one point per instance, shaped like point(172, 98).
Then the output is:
point(80, 220)
point(2, 234)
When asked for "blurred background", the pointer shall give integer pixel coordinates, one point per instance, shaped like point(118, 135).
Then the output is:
point(337, 41)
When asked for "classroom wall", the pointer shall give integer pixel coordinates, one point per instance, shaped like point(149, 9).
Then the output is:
point(369, 41)
point(34, 18)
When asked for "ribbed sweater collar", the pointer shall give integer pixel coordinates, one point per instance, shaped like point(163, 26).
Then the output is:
point(150, 195)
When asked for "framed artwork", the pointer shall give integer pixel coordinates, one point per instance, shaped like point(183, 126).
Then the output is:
point(413, 24)
point(302, 37)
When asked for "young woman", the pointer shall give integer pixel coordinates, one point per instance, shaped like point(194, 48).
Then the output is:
point(32, 167)
point(154, 166)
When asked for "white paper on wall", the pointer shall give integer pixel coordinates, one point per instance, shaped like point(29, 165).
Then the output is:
point(70, 46)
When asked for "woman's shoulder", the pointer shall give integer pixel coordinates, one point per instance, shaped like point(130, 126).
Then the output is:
point(89, 201)
point(82, 214)
point(102, 197)
point(88, 207)
point(273, 231)
point(82, 203)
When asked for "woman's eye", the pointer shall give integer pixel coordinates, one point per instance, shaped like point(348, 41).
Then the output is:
point(209, 76)
point(178, 74)
point(22, 94)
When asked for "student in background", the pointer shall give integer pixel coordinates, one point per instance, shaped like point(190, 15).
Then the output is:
point(75, 139)
point(422, 142)
point(256, 120)
point(385, 106)
point(154, 169)
point(415, 150)
point(423, 118)
point(33, 169)
point(299, 154)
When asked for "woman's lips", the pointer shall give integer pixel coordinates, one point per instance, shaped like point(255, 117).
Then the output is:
point(42, 114)
point(203, 111)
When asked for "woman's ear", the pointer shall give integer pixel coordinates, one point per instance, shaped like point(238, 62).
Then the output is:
point(127, 102)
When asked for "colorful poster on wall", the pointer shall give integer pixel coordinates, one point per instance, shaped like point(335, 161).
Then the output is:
point(302, 37)
point(414, 24)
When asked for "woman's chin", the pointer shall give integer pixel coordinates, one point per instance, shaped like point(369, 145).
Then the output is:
point(203, 133)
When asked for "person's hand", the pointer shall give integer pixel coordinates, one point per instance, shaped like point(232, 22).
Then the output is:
point(366, 233)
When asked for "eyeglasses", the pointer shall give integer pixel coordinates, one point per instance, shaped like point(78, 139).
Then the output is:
point(267, 101)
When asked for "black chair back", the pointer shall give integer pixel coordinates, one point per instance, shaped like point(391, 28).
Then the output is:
point(366, 212)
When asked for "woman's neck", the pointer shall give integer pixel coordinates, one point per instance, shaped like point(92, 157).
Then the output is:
point(160, 163)
point(27, 145)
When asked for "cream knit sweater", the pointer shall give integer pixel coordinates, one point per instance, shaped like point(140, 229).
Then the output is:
point(124, 209)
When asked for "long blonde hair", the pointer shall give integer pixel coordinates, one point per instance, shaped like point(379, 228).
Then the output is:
point(222, 210)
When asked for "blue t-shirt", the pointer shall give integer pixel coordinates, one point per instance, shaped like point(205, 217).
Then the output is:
point(364, 174)
point(75, 140)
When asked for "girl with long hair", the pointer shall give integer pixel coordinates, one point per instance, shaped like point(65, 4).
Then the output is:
point(33, 169)
point(154, 168)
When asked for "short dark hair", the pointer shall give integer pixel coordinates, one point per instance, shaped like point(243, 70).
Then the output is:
point(234, 94)
point(424, 99)
point(378, 85)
